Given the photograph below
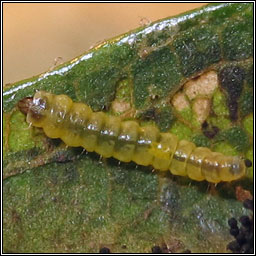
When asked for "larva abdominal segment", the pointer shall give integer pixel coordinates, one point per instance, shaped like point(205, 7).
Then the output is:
point(77, 125)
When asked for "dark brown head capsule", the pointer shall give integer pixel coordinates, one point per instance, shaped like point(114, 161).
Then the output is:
point(32, 107)
point(25, 104)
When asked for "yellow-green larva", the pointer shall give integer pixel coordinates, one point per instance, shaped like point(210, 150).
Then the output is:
point(77, 125)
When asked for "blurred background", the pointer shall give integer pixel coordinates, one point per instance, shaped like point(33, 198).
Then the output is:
point(36, 35)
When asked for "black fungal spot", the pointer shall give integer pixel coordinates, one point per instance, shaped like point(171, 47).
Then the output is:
point(104, 250)
point(204, 125)
point(209, 134)
point(215, 129)
point(248, 204)
point(156, 249)
point(233, 110)
point(245, 220)
point(248, 163)
point(163, 117)
point(232, 223)
point(209, 131)
point(244, 235)
point(232, 79)
point(234, 232)
point(233, 246)
point(149, 114)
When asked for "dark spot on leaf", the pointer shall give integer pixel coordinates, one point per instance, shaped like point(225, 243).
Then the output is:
point(164, 117)
point(204, 125)
point(232, 79)
point(215, 129)
point(232, 223)
point(149, 114)
point(245, 220)
point(233, 246)
point(156, 249)
point(244, 235)
point(248, 163)
point(209, 134)
point(233, 108)
point(209, 131)
point(104, 250)
point(248, 204)
point(234, 231)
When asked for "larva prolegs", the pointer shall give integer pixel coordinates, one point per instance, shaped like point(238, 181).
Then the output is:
point(91, 131)
point(147, 136)
point(126, 141)
point(194, 163)
point(108, 136)
point(180, 157)
point(79, 114)
point(211, 167)
point(163, 151)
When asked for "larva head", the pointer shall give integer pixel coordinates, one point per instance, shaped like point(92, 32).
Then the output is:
point(36, 108)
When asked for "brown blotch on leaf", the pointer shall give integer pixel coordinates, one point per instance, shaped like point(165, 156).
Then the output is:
point(243, 194)
point(204, 125)
point(149, 114)
point(209, 131)
point(233, 110)
point(232, 80)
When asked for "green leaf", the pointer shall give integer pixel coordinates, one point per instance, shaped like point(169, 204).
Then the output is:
point(60, 199)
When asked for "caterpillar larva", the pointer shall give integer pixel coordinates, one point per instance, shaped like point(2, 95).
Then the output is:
point(77, 125)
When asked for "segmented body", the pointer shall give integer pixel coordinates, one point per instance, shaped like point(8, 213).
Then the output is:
point(77, 125)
